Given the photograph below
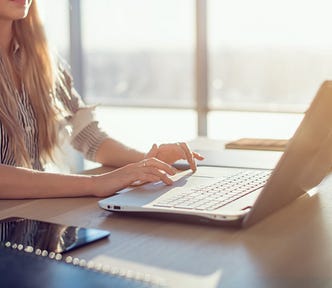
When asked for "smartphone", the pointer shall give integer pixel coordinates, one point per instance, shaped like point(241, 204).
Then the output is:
point(48, 236)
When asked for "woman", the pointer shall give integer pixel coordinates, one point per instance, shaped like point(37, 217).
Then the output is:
point(37, 100)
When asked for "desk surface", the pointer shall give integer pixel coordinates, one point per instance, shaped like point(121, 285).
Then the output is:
point(291, 248)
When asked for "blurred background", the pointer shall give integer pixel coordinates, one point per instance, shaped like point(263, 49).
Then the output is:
point(170, 70)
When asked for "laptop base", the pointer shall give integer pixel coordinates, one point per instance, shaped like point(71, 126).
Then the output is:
point(181, 218)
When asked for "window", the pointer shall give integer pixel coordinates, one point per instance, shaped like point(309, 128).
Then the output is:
point(268, 55)
point(263, 56)
point(139, 53)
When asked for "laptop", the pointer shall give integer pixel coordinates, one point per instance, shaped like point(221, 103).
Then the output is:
point(233, 196)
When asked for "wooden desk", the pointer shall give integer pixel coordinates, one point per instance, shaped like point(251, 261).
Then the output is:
point(292, 248)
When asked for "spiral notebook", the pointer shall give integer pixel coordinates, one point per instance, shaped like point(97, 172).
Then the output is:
point(27, 267)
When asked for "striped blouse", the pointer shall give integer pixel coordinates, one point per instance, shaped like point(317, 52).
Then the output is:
point(85, 134)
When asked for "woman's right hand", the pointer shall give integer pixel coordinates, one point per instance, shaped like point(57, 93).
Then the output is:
point(147, 170)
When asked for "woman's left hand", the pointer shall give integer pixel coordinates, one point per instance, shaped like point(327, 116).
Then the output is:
point(173, 152)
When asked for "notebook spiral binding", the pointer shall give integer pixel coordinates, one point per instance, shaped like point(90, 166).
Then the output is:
point(90, 265)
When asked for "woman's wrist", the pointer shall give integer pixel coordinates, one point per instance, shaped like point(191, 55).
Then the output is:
point(88, 185)
point(96, 186)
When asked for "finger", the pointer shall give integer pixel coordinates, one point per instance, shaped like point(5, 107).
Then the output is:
point(158, 164)
point(137, 183)
point(198, 156)
point(153, 151)
point(148, 178)
point(189, 156)
point(151, 174)
point(157, 175)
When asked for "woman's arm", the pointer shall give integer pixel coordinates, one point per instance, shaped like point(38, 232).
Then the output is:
point(19, 183)
point(116, 154)
point(22, 183)
point(97, 146)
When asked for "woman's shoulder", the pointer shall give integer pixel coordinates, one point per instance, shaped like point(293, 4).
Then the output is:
point(63, 71)
point(64, 87)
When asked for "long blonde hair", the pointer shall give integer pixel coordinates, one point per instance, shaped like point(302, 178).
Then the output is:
point(37, 75)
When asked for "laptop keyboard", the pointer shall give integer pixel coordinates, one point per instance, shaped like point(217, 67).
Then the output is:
point(213, 196)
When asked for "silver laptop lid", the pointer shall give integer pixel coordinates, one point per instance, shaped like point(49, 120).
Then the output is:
point(305, 162)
